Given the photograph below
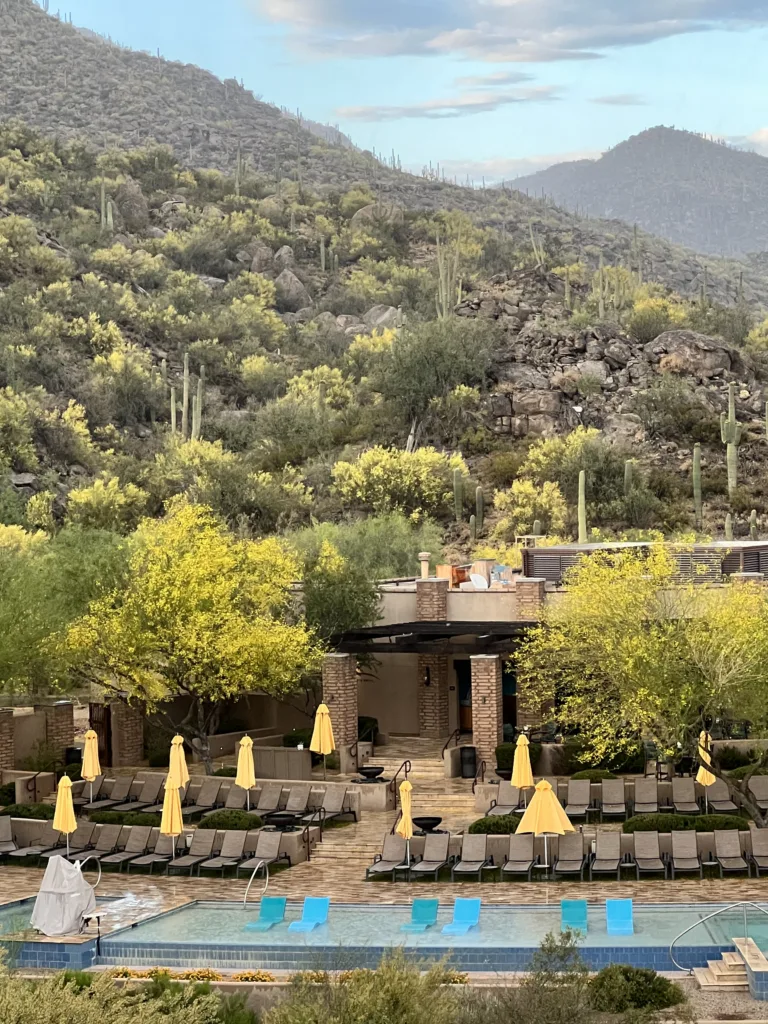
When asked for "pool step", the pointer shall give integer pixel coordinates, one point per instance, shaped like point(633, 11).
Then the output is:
point(709, 982)
point(751, 954)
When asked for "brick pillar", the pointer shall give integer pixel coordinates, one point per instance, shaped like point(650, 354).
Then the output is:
point(7, 754)
point(487, 705)
point(59, 727)
point(433, 695)
point(340, 694)
point(127, 726)
point(432, 599)
point(530, 598)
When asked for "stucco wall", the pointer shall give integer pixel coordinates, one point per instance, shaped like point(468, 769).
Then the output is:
point(389, 693)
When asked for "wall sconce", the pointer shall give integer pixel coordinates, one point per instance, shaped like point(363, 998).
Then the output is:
point(427, 676)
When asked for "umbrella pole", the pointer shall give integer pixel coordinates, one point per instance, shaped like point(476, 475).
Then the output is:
point(546, 858)
point(408, 853)
point(91, 792)
point(248, 799)
point(325, 770)
point(67, 844)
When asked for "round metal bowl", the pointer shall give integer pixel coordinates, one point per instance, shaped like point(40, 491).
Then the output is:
point(282, 820)
point(370, 771)
point(425, 824)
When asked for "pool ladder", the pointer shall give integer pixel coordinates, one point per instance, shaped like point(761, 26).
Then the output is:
point(723, 910)
point(259, 866)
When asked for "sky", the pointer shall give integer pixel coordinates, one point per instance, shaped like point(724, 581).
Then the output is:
point(485, 88)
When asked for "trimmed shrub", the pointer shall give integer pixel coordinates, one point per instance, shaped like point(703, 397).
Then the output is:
point(570, 759)
point(227, 771)
point(495, 825)
point(45, 811)
point(739, 773)
point(293, 739)
point(225, 820)
point(727, 758)
point(684, 823)
point(505, 755)
point(619, 988)
point(124, 818)
point(8, 793)
point(594, 775)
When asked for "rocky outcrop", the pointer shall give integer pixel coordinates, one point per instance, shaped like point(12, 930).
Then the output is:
point(291, 293)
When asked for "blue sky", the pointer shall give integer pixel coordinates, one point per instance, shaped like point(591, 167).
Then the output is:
point(485, 87)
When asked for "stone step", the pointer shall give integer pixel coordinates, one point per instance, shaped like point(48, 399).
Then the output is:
point(733, 960)
point(722, 970)
point(709, 982)
point(751, 954)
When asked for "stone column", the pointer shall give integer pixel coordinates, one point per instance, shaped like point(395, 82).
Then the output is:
point(127, 727)
point(7, 754)
point(59, 727)
point(433, 695)
point(530, 598)
point(487, 706)
point(340, 694)
point(432, 599)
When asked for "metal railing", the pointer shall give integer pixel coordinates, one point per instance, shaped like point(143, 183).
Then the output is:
point(455, 735)
point(353, 752)
point(479, 775)
point(723, 910)
point(405, 768)
point(305, 835)
point(259, 866)
point(98, 865)
point(397, 819)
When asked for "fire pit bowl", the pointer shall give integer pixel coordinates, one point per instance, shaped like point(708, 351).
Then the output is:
point(426, 824)
point(282, 821)
point(370, 771)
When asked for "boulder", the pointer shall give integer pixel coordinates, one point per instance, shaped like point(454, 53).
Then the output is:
point(594, 368)
point(214, 283)
point(346, 320)
point(532, 402)
point(291, 293)
point(326, 319)
point(617, 353)
point(689, 353)
point(381, 317)
point(155, 233)
point(22, 479)
point(624, 425)
point(388, 213)
point(210, 212)
point(262, 259)
point(284, 258)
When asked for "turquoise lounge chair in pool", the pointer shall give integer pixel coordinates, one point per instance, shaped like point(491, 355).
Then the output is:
point(466, 915)
point(271, 912)
point(313, 913)
point(618, 917)
point(573, 915)
point(423, 916)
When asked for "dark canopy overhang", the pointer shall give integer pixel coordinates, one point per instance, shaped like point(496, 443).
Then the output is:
point(432, 638)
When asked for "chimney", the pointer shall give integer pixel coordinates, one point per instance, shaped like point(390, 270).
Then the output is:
point(424, 557)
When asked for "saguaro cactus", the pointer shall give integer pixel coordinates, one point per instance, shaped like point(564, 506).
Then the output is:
point(582, 507)
point(173, 410)
point(479, 509)
point(458, 494)
point(629, 481)
point(537, 532)
point(729, 527)
point(185, 400)
point(753, 524)
point(730, 432)
point(473, 528)
point(697, 504)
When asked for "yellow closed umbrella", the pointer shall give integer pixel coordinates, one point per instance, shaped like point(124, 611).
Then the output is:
point(545, 816)
point(178, 775)
point(703, 777)
point(405, 824)
point(322, 741)
point(246, 773)
point(64, 815)
point(522, 776)
point(171, 823)
point(91, 768)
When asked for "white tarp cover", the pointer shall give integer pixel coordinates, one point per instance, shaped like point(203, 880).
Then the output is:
point(64, 897)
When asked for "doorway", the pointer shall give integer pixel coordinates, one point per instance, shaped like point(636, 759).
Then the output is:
point(463, 669)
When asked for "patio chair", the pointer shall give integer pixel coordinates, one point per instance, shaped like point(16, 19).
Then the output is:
point(148, 796)
point(230, 854)
point(507, 801)
point(79, 841)
point(570, 855)
point(106, 842)
point(435, 856)
point(200, 849)
point(392, 856)
point(646, 797)
point(49, 839)
point(423, 916)
point(607, 858)
point(121, 790)
point(136, 845)
point(298, 798)
point(519, 857)
point(719, 799)
point(269, 798)
point(758, 787)
point(759, 855)
point(684, 797)
point(573, 916)
point(271, 912)
point(206, 800)
point(728, 852)
point(619, 917)
point(165, 847)
point(648, 854)
point(466, 915)
point(685, 853)
point(579, 798)
point(236, 800)
point(267, 852)
point(474, 857)
point(613, 802)
point(7, 844)
point(314, 913)
point(332, 807)
point(86, 797)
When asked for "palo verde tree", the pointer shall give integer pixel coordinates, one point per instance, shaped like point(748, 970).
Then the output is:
point(202, 616)
point(630, 653)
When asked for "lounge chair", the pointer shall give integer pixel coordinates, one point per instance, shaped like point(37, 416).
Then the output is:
point(49, 839)
point(7, 844)
point(466, 915)
point(728, 852)
point(613, 802)
point(206, 800)
point(230, 854)
point(684, 796)
point(165, 847)
point(298, 798)
point(718, 799)
point(507, 801)
point(392, 857)
point(106, 842)
point(579, 798)
point(148, 796)
point(332, 807)
point(200, 849)
point(573, 916)
point(79, 841)
point(136, 845)
point(435, 856)
point(237, 798)
point(271, 912)
point(607, 859)
point(759, 855)
point(758, 787)
point(474, 857)
point(267, 852)
point(570, 855)
point(618, 917)
point(121, 790)
point(647, 854)
point(90, 792)
point(314, 913)
point(685, 853)
point(519, 856)
point(269, 798)
point(646, 797)
point(423, 916)
point(158, 807)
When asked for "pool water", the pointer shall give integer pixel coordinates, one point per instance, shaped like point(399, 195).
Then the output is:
point(14, 917)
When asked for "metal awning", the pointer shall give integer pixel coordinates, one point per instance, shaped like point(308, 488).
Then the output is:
point(432, 638)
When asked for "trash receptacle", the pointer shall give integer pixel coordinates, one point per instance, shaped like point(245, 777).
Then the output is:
point(468, 762)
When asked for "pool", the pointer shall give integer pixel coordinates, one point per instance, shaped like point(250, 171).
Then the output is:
point(214, 934)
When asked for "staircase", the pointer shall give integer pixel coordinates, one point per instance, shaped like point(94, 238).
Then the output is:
point(730, 973)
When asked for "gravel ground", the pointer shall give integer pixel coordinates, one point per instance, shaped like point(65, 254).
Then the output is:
point(721, 1005)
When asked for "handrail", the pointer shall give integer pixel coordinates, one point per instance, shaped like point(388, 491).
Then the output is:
point(353, 752)
point(259, 866)
point(455, 735)
point(405, 768)
point(722, 910)
point(397, 819)
point(305, 838)
point(480, 773)
point(98, 865)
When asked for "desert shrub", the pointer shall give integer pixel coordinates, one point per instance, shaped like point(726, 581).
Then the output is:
point(524, 503)
point(124, 818)
point(653, 316)
point(561, 459)
point(106, 505)
point(293, 739)
point(729, 757)
point(495, 825)
point(684, 823)
point(594, 775)
point(37, 811)
point(740, 773)
point(670, 409)
point(227, 771)
point(237, 820)
point(619, 988)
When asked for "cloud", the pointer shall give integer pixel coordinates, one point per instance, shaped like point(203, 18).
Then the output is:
point(463, 105)
point(757, 142)
point(622, 99)
point(498, 78)
point(498, 169)
point(516, 31)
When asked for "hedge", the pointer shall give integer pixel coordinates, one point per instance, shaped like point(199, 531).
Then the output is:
point(727, 758)
point(594, 775)
point(505, 755)
point(570, 759)
point(235, 820)
point(619, 988)
point(46, 811)
point(8, 793)
point(124, 818)
point(227, 771)
point(495, 825)
point(684, 823)
point(739, 773)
